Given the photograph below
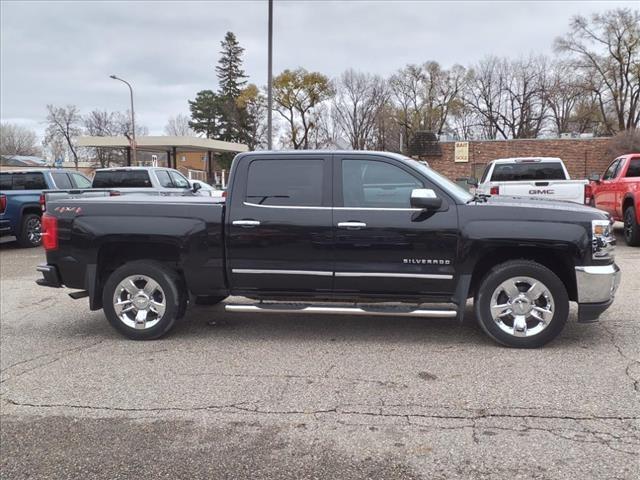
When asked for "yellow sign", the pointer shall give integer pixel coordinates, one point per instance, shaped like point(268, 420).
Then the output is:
point(461, 154)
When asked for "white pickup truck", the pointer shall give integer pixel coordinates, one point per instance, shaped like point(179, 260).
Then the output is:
point(544, 177)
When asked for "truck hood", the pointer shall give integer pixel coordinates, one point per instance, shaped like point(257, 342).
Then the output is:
point(543, 204)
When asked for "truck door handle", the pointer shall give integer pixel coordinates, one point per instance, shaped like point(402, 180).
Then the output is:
point(246, 223)
point(352, 225)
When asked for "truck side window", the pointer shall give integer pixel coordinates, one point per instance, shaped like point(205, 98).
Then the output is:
point(612, 170)
point(285, 182)
point(634, 168)
point(164, 179)
point(375, 184)
point(178, 180)
point(29, 181)
point(5, 181)
point(80, 180)
point(61, 180)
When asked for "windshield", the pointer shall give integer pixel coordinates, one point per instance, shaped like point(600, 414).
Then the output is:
point(450, 187)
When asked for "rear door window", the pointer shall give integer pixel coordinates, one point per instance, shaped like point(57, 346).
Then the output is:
point(634, 168)
point(514, 172)
point(122, 179)
point(23, 181)
point(285, 182)
point(62, 180)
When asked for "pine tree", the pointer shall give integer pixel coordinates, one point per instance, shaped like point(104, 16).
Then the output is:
point(231, 81)
point(207, 114)
point(231, 76)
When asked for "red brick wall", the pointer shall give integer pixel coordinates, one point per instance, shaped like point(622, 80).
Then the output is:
point(581, 156)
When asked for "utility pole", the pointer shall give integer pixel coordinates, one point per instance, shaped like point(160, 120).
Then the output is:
point(270, 80)
point(133, 119)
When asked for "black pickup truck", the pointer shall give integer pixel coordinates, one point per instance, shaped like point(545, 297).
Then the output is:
point(322, 232)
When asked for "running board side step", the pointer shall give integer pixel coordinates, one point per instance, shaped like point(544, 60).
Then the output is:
point(266, 308)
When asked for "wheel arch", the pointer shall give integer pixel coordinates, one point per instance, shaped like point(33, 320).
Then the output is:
point(113, 254)
point(558, 262)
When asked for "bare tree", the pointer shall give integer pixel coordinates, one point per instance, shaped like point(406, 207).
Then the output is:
point(103, 124)
point(178, 126)
point(508, 97)
point(297, 95)
point(426, 96)
point(252, 107)
point(17, 140)
point(358, 99)
point(605, 50)
point(63, 125)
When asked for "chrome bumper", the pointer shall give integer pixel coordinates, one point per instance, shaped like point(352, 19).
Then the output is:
point(597, 284)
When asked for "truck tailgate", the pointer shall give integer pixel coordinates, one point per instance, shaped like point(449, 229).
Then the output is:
point(570, 190)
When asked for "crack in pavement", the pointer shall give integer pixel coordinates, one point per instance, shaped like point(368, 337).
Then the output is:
point(634, 381)
point(65, 353)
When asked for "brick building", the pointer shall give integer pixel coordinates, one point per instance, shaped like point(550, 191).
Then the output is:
point(582, 156)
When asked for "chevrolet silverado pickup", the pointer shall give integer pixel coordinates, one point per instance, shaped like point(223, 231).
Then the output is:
point(538, 177)
point(618, 193)
point(324, 232)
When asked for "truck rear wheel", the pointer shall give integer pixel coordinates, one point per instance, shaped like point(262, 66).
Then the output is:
point(522, 304)
point(631, 227)
point(30, 234)
point(142, 299)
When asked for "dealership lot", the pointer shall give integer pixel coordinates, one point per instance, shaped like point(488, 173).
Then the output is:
point(270, 396)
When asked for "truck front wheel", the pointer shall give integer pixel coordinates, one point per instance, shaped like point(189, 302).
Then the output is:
point(142, 299)
point(521, 304)
point(631, 227)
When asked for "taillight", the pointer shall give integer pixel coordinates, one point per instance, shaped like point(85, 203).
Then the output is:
point(224, 194)
point(494, 190)
point(588, 193)
point(114, 193)
point(3, 203)
point(49, 232)
point(43, 202)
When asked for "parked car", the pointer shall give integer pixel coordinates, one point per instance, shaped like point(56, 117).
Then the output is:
point(140, 178)
point(618, 193)
point(206, 189)
point(540, 177)
point(20, 192)
point(303, 230)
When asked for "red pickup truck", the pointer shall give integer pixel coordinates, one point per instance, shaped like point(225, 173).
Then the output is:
point(618, 192)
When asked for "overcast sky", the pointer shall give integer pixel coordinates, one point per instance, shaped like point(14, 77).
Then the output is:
point(63, 52)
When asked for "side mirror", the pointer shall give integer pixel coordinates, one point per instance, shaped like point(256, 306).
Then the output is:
point(425, 198)
point(473, 181)
point(594, 177)
point(195, 187)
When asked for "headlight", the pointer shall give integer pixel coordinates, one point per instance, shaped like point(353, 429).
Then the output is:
point(603, 241)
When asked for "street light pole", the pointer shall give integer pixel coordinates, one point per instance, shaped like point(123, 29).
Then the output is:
point(133, 119)
point(270, 80)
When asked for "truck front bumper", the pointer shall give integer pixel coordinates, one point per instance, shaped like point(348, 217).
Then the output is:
point(50, 275)
point(596, 287)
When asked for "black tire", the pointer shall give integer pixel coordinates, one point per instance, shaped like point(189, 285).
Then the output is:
point(30, 234)
point(631, 227)
point(521, 268)
point(209, 299)
point(169, 283)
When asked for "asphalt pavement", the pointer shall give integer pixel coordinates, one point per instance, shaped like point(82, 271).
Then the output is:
point(235, 396)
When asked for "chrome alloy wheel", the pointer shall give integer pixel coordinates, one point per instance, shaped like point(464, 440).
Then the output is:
point(34, 230)
point(522, 306)
point(139, 302)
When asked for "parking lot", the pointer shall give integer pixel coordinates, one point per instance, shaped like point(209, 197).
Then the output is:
point(271, 396)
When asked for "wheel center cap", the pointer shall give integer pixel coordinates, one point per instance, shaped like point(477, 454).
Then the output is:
point(521, 306)
point(141, 301)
